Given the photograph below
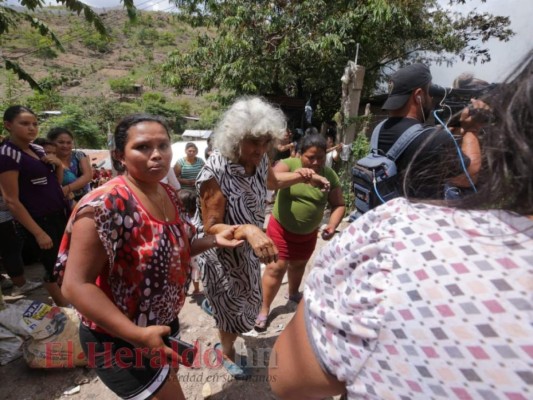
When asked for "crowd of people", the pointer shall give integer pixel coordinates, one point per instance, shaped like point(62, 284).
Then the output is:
point(427, 295)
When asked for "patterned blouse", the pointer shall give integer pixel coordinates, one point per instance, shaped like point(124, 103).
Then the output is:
point(416, 301)
point(149, 259)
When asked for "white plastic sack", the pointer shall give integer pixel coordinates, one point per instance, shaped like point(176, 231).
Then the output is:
point(11, 333)
point(10, 346)
point(11, 316)
point(54, 339)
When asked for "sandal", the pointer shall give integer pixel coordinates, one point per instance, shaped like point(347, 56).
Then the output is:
point(207, 307)
point(237, 371)
point(261, 322)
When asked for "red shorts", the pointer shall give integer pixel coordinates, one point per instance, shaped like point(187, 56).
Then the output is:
point(291, 246)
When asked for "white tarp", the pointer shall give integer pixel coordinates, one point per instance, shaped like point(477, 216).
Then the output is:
point(196, 134)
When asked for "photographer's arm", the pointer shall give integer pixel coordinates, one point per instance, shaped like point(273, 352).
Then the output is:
point(471, 148)
point(472, 120)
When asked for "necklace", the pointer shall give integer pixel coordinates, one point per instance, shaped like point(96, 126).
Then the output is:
point(161, 208)
point(163, 205)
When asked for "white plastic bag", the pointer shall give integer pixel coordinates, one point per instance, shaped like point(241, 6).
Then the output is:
point(54, 339)
point(10, 346)
point(11, 333)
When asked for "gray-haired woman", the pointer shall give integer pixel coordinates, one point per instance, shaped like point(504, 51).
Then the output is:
point(232, 189)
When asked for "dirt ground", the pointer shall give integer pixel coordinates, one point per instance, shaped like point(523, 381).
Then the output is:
point(19, 382)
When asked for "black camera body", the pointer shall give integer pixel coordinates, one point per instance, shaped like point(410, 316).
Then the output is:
point(451, 101)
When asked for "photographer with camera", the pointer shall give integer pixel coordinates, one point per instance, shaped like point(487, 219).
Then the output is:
point(466, 85)
point(410, 103)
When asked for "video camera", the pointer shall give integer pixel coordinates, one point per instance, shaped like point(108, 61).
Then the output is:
point(451, 101)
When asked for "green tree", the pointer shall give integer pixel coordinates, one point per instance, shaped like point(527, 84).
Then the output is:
point(87, 133)
point(12, 92)
point(300, 48)
point(157, 104)
point(48, 99)
point(123, 85)
point(43, 43)
point(97, 42)
point(208, 118)
point(147, 36)
point(10, 19)
point(105, 112)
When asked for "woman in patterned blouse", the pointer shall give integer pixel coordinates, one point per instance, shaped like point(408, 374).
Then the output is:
point(124, 265)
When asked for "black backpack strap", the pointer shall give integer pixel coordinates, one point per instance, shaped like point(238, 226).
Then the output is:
point(404, 141)
point(375, 137)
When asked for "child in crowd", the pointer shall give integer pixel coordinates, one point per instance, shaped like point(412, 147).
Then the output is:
point(188, 199)
point(50, 151)
point(50, 148)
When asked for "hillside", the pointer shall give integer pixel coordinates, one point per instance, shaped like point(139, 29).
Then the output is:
point(88, 63)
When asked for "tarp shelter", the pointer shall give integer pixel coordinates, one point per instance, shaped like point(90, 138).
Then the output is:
point(193, 134)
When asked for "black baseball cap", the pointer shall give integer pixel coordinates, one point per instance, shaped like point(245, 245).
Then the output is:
point(403, 82)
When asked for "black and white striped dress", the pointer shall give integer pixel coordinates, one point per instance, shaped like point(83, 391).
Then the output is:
point(231, 277)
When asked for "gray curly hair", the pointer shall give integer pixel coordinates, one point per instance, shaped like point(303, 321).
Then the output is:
point(247, 117)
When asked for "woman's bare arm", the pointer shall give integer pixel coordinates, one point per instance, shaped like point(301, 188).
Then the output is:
point(213, 204)
point(294, 372)
point(280, 177)
point(10, 192)
point(85, 178)
point(338, 209)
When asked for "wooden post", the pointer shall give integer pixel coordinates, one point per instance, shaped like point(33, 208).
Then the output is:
point(352, 84)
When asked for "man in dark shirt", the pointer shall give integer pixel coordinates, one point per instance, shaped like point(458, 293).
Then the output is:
point(426, 161)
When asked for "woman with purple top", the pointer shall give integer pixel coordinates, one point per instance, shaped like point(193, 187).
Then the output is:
point(31, 191)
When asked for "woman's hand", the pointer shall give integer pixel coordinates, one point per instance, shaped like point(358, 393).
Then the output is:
point(226, 238)
point(306, 173)
point(328, 232)
point(150, 341)
point(474, 116)
point(311, 177)
point(52, 160)
point(263, 247)
point(44, 241)
point(66, 190)
point(320, 182)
